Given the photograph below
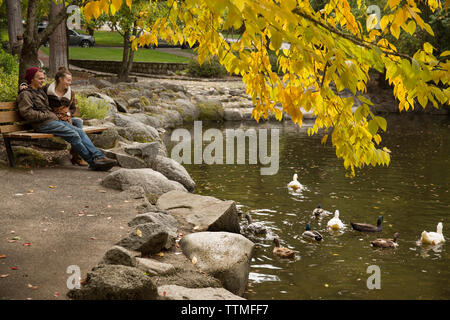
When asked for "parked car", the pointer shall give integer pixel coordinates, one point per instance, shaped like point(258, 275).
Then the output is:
point(74, 38)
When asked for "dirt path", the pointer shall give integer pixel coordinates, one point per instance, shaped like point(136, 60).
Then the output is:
point(60, 216)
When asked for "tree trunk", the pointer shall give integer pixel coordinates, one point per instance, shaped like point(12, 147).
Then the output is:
point(15, 27)
point(123, 72)
point(32, 40)
point(58, 41)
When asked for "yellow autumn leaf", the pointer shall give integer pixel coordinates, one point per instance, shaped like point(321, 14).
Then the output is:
point(139, 233)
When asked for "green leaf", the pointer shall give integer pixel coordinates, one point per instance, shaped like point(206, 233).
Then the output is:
point(381, 122)
point(365, 100)
point(373, 127)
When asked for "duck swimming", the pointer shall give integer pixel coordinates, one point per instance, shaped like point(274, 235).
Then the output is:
point(294, 184)
point(257, 228)
point(335, 223)
point(282, 252)
point(433, 238)
point(320, 212)
point(364, 227)
point(311, 234)
point(385, 243)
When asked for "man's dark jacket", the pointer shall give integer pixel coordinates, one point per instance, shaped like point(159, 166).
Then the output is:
point(34, 107)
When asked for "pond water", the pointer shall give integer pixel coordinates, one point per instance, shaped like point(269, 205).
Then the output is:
point(412, 194)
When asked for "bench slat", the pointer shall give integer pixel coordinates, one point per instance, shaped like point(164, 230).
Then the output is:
point(37, 135)
point(7, 105)
point(10, 116)
point(12, 128)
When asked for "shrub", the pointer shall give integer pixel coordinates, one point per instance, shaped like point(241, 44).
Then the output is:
point(92, 108)
point(9, 76)
point(209, 69)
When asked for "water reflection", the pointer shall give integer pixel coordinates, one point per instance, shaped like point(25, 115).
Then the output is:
point(412, 194)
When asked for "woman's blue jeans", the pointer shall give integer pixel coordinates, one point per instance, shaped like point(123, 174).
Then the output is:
point(75, 136)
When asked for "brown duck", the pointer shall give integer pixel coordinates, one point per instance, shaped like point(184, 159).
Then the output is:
point(282, 252)
point(385, 243)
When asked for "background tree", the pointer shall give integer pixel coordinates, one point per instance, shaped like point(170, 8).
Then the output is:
point(15, 27)
point(58, 40)
point(34, 40)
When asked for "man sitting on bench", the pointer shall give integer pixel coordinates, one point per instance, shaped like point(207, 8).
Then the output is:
point(34, 108)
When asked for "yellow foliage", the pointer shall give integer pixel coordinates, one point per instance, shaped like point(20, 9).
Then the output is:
point(325, 47)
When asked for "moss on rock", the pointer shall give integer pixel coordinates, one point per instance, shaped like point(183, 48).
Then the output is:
point(210, 111)
point(28, 156)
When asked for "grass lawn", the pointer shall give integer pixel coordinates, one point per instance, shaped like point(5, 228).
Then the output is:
point(115, 54)
point(106, 38)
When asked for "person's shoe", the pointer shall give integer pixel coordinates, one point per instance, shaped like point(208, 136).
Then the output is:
point(103, 164)
point(76, 159)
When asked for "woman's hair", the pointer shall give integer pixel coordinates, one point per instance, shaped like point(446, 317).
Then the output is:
point(62, 72)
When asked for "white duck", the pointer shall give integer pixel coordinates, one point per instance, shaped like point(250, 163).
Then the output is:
point(433, 238)
point(335, 223)
point(294, 184)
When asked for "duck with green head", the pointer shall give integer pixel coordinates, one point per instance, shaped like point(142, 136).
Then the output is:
point(312, 234)
point(365, 227)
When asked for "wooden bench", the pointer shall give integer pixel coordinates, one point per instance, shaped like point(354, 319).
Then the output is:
point(14, 127)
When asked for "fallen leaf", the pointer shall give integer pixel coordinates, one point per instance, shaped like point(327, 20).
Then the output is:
point(4, 276)
point(161, 254)
point(93, 238)
point(56, 294)
point(194, 260)
point(16, 238)
point(164, 294)
point(30, 191)
point(2, 256)
point(15, 268)
point(102, 191)
point(326, 285)
point(27, 244)
point(12, 241)
point(52, 187)
point(32, 287)
point(139, 233)
point(18, 194)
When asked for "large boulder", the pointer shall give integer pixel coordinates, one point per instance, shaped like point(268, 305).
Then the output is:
point(174, 292)
point(149, 238)
point(108, 139)
point(173, 171)
point(223, 255)
point(203, 212)
point(154, 267)
point(119, 255)
point(134, 130)
point(187, 109)
point(115, 282)
point(154, 183)
point(146, 151)
point(167, 222)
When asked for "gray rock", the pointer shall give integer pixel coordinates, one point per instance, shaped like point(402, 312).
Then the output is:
point(167, 222)
point(149, 238)
point(174, 292)
point(103, 96)
point(146, 151)
point(232, 115)
point(223, 255)
point(108, 139)
point(119, 255)
point(187, 110)
point(100, 83)
point(153, 182)
point(130, 162)
point(204, 212)
point(134, 130)
point(115, 282)
point(154, 267)
point(173, 171)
